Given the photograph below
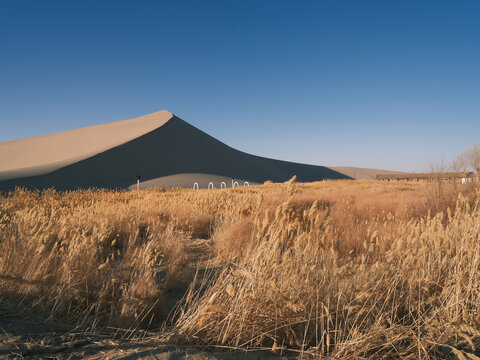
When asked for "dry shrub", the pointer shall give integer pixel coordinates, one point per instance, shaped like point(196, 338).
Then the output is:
point(294, 290)
point(194, 221)
point(233, 239)
point(97, 261)
point(345, 269)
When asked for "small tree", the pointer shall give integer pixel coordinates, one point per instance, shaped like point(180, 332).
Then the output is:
point(474, 159)
point(462, 163)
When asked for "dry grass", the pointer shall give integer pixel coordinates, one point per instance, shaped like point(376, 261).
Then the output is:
point(342, 269)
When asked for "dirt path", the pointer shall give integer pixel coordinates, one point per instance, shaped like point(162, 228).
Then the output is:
point(25, 337)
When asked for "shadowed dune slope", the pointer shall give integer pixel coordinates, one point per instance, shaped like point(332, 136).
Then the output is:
point(174, 147)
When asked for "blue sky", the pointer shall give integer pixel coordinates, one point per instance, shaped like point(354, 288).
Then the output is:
point(382, 84)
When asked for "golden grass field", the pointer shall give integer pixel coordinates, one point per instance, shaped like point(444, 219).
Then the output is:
point(335, 269)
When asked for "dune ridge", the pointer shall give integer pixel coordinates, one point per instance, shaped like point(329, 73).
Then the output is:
point(43, 154)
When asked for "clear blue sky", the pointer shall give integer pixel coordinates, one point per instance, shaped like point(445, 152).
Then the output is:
point(384, 84)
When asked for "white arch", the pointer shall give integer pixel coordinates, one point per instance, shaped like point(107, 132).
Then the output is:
point(223, 185)
point(236, 184)
point(246, 183)
point(195, 186)
point(213, 186)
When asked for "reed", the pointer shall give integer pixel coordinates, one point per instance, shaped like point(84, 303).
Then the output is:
point(339, 269)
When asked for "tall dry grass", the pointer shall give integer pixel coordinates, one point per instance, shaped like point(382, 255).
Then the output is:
point(340, 269)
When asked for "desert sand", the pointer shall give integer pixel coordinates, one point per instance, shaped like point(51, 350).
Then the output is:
point(359, 173)
point(43, 154)
point(161, 148)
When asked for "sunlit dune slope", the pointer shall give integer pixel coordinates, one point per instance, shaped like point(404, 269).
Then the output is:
point(43, 154)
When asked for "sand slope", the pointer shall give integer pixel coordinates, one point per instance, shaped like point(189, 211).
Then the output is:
point(156, 147)
point(361, 173)
point(43, 154)
point(187, 180)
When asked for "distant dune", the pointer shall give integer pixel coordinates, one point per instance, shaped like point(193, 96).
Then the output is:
point(160, 147)
point(361, 173)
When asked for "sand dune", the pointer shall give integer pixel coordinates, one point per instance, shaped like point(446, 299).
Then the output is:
point(43, 154)
point(361, 173)
point(203, 181)
point(163, 149)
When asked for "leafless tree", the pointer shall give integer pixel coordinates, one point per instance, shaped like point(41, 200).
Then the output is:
point(474, 159)
point(462, 163)
point(468, 161)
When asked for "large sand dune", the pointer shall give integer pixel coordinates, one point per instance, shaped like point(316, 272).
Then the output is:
point(163, 149)
point(43, 154)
